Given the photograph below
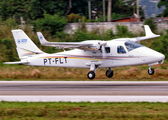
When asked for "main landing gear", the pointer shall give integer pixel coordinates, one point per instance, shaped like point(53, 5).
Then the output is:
point(91, 74)
point(109, 73)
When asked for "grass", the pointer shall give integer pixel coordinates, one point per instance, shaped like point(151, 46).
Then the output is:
point(83, 111)
point(133, 73)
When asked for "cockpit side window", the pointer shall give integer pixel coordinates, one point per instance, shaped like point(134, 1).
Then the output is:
point(131, 45)
point(121, 50)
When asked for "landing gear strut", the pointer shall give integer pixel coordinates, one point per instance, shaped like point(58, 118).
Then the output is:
point(91, 74)
point(109, 73)
point(151, 71)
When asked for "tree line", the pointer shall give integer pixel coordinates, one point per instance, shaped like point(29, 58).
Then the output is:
point(35, 9)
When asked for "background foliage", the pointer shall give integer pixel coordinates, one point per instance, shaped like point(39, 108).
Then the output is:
point(51, 23)
point(151, 23)
point(35, 9)
point(52, 33)
point(165, 4)
point(49, 17)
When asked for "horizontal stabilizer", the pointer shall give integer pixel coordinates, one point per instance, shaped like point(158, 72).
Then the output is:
point(18, 62)
point(149, 34)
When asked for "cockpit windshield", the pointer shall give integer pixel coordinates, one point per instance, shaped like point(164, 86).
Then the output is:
point(131, 45)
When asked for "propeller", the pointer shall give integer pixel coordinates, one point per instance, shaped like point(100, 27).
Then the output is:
point(102, 44)
point(102, 47)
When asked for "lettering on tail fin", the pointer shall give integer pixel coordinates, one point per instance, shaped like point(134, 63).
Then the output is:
point(18, 41)
point(22, 41)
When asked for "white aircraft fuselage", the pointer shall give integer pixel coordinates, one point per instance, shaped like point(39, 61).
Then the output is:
point(82, 59)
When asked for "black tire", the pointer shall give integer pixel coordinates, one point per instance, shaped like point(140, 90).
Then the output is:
point(91, 75)
point(151, 71)
point(109, 73)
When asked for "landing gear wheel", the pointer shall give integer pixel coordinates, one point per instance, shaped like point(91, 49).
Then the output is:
point(91, 75)
point(151, 71)
point(109, 73)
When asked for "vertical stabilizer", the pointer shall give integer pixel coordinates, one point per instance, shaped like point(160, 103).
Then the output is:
point(25, 46)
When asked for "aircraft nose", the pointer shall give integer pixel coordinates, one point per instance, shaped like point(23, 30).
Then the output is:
point(160, 57)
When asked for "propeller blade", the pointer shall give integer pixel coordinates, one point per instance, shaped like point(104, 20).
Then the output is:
point(103, 52)
point(102, 44)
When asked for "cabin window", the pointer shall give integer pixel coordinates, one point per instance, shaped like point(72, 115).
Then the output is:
point(121, 50)
point(107, 49)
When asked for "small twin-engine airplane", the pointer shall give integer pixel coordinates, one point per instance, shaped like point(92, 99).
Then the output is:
point(92, 54)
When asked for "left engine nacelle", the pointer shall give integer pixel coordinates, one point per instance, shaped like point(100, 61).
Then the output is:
point(95, 47)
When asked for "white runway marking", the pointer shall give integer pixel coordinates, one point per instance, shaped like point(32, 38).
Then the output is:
point(85, 98)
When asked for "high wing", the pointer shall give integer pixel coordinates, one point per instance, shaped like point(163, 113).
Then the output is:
point(93, 45)
point(62, 45)
point(149, 35)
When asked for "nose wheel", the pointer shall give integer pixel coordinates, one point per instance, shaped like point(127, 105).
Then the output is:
point(91, 75)
point(151, 71)
point(109, 73)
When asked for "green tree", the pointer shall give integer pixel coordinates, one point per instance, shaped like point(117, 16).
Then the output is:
point(122, 31)
point(35, 9)
point(50, 23)
point(8, 52)
point(31, 9)
point(152, 24)
point(120, 8)
point(164, 3)
point(13, 8)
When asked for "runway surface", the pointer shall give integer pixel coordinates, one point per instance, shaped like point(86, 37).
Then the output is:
point(83, 88)
point(84, 91)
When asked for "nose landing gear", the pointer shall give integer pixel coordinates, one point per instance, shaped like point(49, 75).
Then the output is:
point(151, 71)
point(91, 75)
